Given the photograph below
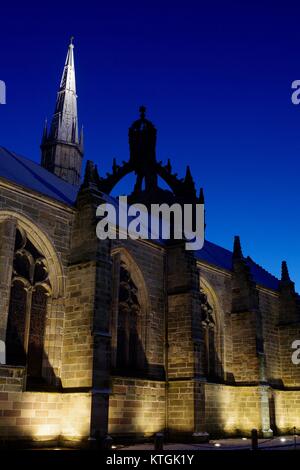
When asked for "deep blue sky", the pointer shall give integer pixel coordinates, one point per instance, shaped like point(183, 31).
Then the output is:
point(216, 79)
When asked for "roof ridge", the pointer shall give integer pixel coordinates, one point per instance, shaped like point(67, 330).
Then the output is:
point(219, 246)
point(14, 154)
point(19, 157)
point(261, 267)
point(29, 174)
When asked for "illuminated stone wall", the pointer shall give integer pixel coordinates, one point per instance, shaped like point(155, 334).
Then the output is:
point(218, 409)
point(231, 410)
point(269, 306)
point(181, 407)
point(11, 378)
point(287, 408)
point(290, 373)
point(78, 341)
point(44, 416)
point(136, 406)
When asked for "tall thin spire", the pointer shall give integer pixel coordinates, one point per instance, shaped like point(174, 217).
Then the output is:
point(62, 150)
point(64, 124)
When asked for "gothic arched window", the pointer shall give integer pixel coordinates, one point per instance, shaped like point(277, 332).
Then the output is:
point(128, 323)
point(27, 310)
point(209, 335)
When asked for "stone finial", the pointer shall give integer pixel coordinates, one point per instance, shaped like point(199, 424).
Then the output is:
point(91, 176)
point(188, 176)
point(289, 301)
point(142, 111)
point(286, 282)
point(201, 196)
point(114, 166)
point(189, 182)
point(237, 249)
point(244, 292)
point(285, 277)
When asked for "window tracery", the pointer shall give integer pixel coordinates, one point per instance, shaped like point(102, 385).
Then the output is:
point(30, 289)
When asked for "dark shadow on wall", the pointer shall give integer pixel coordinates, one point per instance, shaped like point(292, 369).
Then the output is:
point(47, 381)
point(272, 411)
point(138, 365)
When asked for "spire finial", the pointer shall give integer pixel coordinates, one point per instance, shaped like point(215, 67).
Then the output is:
point(285, 272)
point(142, 110)
point(188, 176)
point(169, 166)
point(189, 184)
point(201, 196)
point(237, 249)
point(115, 166)
point(72, 41)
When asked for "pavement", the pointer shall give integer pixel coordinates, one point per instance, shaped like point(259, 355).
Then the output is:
point(276, 443)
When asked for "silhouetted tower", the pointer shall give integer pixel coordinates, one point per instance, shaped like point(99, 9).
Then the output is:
point(62, 149)
point(142, 142)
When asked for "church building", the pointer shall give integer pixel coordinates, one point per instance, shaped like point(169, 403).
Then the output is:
point(128, 338)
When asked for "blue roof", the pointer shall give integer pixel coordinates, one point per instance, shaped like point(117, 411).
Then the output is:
point(261, 276)
point(31, 175)
point(218, 256)
point(215, 255)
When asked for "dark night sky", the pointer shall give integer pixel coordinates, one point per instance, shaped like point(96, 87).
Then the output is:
point(216, 79)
